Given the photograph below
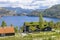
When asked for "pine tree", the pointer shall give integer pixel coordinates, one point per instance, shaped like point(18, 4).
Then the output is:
point(41, 22)
point(3, 24)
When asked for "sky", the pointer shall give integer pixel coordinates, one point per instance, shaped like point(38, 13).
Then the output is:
point(29, 4)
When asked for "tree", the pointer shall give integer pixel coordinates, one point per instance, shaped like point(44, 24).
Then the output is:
point(41, 22)
point(57, 25)
point(16, 29)
point(21, 29)
point(3, 24)
point(11, 25)
point(32, 28)
point(45, 24)
point(51, 24)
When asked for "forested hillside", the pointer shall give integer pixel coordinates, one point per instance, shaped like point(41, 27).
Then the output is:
point(53, 11)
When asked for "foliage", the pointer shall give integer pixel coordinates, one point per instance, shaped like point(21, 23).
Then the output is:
point(16, 29)
point(41, 22)
point(21, 29)
point(11, 25)
point(57, 25)
point(32, 28)
point(3, 24)
point(45, 23)
point(31, 22)
point(34, 36)
point(51, 24)
point(53, 12)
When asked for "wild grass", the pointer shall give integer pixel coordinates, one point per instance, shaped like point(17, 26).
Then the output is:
point(34, 36)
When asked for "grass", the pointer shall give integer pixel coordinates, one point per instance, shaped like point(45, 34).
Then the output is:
point(34, 36)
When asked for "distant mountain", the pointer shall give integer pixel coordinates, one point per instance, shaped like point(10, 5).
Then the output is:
point(36, 12)
point(19, 10)
point(5, 12)
point(54, 11)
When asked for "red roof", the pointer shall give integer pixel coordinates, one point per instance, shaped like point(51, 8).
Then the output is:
point(6, 29)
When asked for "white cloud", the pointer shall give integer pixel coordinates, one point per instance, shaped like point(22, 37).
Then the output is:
point(28, 4)
point(3, 0)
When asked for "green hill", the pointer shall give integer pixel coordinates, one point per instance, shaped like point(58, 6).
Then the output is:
point(53, 11)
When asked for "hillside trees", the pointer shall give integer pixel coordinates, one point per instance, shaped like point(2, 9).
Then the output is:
point(3, 24)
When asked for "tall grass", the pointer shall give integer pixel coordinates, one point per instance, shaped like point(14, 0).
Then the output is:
point(34, 36)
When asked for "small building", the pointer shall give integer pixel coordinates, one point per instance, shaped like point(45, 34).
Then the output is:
point(27, 25)
point(7, 31)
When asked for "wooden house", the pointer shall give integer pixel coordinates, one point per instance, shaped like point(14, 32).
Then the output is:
point(27, 25)
point(7, 31)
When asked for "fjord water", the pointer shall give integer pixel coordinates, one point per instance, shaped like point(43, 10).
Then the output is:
point(19, 20)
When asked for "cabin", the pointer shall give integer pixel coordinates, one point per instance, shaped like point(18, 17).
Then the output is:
point(7, 31)
point(27, 25)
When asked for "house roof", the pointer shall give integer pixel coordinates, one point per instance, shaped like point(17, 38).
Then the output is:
point(31, 23)
point(6, 29)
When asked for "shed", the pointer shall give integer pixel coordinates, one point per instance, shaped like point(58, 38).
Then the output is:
point(7, 31)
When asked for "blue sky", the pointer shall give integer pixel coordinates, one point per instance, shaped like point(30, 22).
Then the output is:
point(29, 4)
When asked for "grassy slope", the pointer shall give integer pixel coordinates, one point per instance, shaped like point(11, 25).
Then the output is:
point(34, 36)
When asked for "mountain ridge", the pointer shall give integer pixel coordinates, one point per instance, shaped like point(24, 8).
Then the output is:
point(53, 11)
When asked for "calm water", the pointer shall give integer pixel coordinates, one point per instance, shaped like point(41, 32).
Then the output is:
point(19, 20)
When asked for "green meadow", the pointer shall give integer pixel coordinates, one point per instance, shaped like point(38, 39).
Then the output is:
point(34, 36)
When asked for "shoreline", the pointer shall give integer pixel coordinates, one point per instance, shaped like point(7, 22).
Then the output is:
point(38, 16)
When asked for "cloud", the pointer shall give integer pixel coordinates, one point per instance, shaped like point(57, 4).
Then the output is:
point(29, 4)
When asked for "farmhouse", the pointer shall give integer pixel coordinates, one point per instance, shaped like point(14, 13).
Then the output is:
point(34, 25)
point(7, 31)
